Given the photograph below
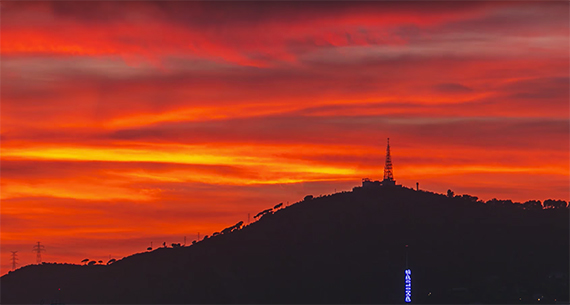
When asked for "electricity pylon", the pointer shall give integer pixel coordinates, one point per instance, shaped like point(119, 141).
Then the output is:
point(14, 259)
point(38, 249)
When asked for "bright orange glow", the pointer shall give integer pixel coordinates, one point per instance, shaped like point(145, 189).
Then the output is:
point(187, 155)
point(124, 123)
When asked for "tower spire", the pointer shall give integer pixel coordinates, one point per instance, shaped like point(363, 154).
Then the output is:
point(388, 176)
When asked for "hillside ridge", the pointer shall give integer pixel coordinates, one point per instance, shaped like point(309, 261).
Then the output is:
point(345, 247)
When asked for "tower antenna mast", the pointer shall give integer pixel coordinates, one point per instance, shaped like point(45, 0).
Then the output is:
point(388, 166)
point(388, 175)
point(406, 256)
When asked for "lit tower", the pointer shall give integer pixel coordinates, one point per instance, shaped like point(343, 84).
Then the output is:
point(388, 176)
point(408, 281)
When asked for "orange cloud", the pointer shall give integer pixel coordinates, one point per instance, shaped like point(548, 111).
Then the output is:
point(125, 123)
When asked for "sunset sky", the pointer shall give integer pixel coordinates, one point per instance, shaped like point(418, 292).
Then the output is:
point(129, 122)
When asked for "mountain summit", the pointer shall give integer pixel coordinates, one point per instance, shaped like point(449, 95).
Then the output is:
point(350, 247)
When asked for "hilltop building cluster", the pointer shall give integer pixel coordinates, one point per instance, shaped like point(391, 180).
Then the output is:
point(388, 180)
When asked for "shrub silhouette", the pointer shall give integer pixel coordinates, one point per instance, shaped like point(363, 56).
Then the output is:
point(262, 213)
point(533, 205)
point(555, 204)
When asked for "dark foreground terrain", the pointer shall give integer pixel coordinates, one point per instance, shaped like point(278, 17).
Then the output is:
point(343, 248)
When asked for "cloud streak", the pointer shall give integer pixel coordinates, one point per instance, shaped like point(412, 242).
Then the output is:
point(127, 122)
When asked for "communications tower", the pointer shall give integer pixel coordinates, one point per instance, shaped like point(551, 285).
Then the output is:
point(388, 175)
point(408, 281)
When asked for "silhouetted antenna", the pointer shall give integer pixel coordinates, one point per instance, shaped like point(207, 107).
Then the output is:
point(406, 256)
point(417, 186)
point(14, 259)
point(388, 166)
point(38, 249)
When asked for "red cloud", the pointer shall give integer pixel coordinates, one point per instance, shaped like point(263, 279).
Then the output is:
point(161, 119)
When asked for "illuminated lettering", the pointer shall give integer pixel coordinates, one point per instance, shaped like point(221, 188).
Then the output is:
point(408, 287)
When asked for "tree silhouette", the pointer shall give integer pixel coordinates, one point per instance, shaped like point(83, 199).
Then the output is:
point(533, 205)
point(555, 204)
point(263, 213)
point(469, 198)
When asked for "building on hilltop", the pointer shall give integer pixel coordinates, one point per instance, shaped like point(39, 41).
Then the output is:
point(366, 182)
point(388, 175)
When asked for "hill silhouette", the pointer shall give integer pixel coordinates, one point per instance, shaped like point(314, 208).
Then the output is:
point(347, 247)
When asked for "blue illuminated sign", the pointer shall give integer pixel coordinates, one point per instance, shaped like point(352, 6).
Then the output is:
point(408, 274)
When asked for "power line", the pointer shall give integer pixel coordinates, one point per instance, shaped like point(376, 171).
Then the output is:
point(38, 249)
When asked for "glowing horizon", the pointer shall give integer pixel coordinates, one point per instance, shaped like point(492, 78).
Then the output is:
point(129, 122)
